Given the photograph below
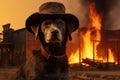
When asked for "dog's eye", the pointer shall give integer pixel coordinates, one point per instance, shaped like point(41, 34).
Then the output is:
point(60, 23)
point(47, 23)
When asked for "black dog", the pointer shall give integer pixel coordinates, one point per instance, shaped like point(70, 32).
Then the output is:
point(49, 63)
point(53, 37)
point(53, 30)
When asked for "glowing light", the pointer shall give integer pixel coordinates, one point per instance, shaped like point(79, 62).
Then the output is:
point(74, 57)
point(91, 34)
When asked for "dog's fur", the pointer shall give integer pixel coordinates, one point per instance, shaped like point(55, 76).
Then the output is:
point(53, 35)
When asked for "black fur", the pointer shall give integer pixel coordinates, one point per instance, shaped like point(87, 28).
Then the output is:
point(40, 68)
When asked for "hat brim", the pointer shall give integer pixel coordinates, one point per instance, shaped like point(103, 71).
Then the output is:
point(37, 18)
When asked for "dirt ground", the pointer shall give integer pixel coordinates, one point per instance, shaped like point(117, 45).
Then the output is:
point(95, 75)
point(75, 74)
point(92, 73)
point(7, 72)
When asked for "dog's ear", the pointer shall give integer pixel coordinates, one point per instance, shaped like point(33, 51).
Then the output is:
point(72, 25)
point(35, 29)
point(70, 29)
point(32, 24)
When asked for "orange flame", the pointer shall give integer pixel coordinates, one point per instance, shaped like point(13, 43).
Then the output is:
point(74, 57)
point(95, 23)
point(111, 56)
point(89, 47)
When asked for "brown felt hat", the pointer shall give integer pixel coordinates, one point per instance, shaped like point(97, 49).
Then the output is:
point(52, 10)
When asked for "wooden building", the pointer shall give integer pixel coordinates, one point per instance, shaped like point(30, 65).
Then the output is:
point(17, 46)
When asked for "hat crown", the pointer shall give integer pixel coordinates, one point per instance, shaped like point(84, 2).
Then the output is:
point(52, 8)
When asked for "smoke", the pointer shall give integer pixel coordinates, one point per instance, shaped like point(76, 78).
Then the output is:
point(110, 10)
point(113, 19)
point(83, 13)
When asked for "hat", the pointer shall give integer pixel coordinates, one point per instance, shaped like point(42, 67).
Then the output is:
point(52, 10)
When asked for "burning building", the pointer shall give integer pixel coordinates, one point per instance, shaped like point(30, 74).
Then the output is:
point(99, 39)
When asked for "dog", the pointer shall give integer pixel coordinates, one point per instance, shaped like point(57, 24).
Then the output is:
point(53, 31)
point(56, 67)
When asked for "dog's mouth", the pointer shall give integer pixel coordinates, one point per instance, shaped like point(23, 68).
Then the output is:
point(54, 39)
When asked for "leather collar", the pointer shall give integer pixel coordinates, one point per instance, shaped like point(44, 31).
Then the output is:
point(48, 56)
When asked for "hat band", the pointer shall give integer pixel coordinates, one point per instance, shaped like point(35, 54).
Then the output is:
point(49, 11)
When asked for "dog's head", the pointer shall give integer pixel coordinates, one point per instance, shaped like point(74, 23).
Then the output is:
point(53, 30)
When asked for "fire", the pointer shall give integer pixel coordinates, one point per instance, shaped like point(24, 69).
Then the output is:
point(95, 18)
point(95, 23)
point(74, 58)
point(87, 50)
point(110, 56)
point(91, 38)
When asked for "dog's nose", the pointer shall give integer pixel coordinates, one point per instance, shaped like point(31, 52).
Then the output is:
point(54, 32)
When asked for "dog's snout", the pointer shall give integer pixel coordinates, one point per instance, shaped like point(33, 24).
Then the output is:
point(54, 32)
